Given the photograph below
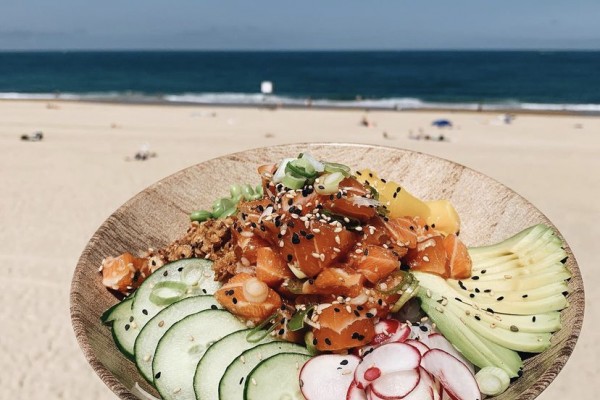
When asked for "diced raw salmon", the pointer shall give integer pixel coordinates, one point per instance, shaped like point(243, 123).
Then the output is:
point(403, 231)
point(339, 282)
point(125, 272)
point(247, 244)
point(343, 327)
point(429, 256)
point(352, 204)
point(457, 257)
point(376, 263)
point(271, 268)
point(312, 249)
point(231, 296)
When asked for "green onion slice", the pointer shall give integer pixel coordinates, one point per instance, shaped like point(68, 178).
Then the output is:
point(167, 292)
point(408, 294)
point(329, 183)
point(335, 167)
point(297, 321)
point(201, 215)
point(293, 182)
point(402, 280)
point(257, 334)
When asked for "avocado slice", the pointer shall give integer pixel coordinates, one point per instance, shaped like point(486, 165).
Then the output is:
point(473, 346)
point(508, 284)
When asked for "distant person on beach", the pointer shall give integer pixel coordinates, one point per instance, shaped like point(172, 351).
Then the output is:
point(365, 121)
point(34, 137)
point(143, 153)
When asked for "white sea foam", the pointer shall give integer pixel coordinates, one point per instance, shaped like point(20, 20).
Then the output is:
point(404, 103)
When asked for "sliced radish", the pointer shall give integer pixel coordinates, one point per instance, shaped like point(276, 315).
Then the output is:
point(355, 393)
point(390, 330)
point(456, 378)
point(391, 357)
point(438, 341)
point(422, 347)
point(328, 377)
point(396, 385)
point(438, 390)
point(372, 395)
point(425, 390)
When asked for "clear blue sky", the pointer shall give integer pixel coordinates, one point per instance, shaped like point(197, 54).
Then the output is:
point(304, 24)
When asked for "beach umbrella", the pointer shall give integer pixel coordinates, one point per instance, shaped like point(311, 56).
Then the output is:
point(442, 123)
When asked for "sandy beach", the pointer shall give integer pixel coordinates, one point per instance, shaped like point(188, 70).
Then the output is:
point(55, 193)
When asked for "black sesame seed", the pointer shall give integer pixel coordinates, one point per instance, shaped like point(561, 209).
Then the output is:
point(355, 335)
point(336, 309)
point(472, 295)
point(344, 362)
point(383, 180)
point(525, 296)
point(290, 257)
point(295, 238)
point(157, 376)
point(281, 332)
point(478, 318)
point(145, 312)
point(131, 319)
point(395, 195)
point(127, 326)
point(359, 308)
point(433, 226)
point(380, 302)
point(361, 337)
point(475, 278)
point(398, 189)
point(358, 173)
point(327, 341)
point(204, 291)
point(500, 298)
point(165, 273)
point(533, 319)
point(520, 373)
point(290, 202)
point(483, 271)
point(565, 293)
point(370, 315)
point(490, 310)
point(234, 300)
point(310, 236)
point(260, 208)
point(370, 175)
point(358, 314)
point(242, 380)
point(513, 328)
point(303, 233)
point(315, 342)
point(214, 307)
point(458, 299)
point(180, 269)
point(487, 291)
point(423, 328)
point(476, 290)
point(564, 260)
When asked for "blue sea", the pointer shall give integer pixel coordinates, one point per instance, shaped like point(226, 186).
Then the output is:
point(510, 80)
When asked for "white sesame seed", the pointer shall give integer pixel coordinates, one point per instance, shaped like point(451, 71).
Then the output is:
point(146, 358)
point(425, 258)
point(247, 234)
point(243, 359)
point(316, 255)
point(337, 230)
point(254, 381)
point(336, 250)
point(349, 309)
point(176, 390)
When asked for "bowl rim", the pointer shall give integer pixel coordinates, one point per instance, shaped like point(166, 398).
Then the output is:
point(118, 388)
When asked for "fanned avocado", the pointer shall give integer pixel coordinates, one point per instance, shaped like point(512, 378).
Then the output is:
point(511, 302)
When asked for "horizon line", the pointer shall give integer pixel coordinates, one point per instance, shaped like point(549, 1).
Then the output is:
point(361, 50)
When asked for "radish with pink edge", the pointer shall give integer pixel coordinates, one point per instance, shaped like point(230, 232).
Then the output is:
point(454, 376)
point(328, 376)
point(391, 357)
point(422, 347)
point(390, 330)
point(438, 341)
point(396, 385)
point(425, 390)
point(355, 393)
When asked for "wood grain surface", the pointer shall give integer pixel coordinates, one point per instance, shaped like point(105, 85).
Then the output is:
point(490, 212)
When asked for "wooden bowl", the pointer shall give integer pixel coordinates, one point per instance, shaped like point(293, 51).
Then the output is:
point(489, 211)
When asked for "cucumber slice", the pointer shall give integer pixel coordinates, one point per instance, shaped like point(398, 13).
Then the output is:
point(276, 378)
point(216, 360)
point(124, 328)
point(150, 334)
point(120, 310)
point(181, 348)
point(231, 386)
point(196, 273)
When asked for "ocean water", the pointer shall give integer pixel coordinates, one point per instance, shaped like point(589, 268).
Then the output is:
point(407, 79)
